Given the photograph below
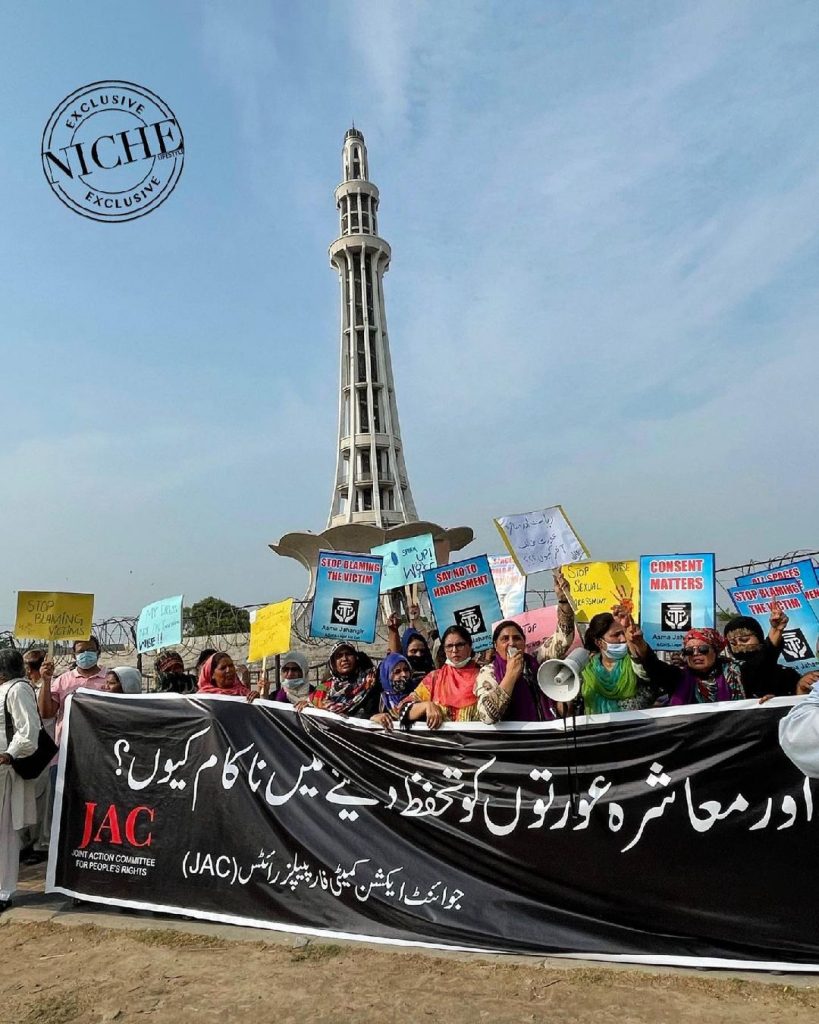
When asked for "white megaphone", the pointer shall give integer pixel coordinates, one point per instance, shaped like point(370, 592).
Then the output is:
point(560, 680)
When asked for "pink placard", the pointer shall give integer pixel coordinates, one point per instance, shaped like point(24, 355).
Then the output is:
point(537, 625)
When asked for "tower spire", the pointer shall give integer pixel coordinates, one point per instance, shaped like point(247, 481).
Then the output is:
point(371, 483)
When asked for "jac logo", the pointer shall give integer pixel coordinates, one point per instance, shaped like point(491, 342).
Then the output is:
point(109, 828)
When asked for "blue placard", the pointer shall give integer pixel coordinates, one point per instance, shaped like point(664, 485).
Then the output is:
point(799, 640)
point(160, 624)
point(405, 561)
point(345, 605)
point(803, 570)
point(463, 594)
point(677, 593)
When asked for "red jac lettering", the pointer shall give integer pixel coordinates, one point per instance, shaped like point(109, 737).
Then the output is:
point(110, 830)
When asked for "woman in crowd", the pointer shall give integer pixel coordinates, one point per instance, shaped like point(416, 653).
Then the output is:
point(614, 678)
point(351, 688)
point(397, 680)
point(123, 679)
point(413, 645)
point(448, 693)
point(295, 686)
point(218, 676)
point(758, 656)
point(170, 674)
point(507, 686)
point(18, 805)
point(704, 677)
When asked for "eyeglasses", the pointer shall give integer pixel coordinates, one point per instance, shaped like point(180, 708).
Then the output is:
point(456, 647)
point(689, 652)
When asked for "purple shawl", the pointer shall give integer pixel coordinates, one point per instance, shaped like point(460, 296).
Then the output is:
point(528, 702)
point(686, 691)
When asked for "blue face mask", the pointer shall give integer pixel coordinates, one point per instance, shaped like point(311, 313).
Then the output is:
point(616, 651)
point(87, 659)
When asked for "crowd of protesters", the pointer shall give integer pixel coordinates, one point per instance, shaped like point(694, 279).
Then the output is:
point(427, 679)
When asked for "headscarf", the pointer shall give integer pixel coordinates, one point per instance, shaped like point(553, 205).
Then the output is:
point(392, 694)
point(605, 689)
point(711, 637)
point(130, 679)
point(420, 664)
point(343, 694)
point(296, 690)
point(172, 682)
point(207, 685)
point(744, 622)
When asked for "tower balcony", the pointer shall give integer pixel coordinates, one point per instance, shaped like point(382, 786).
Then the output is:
point(353, 187)
point(372, 243)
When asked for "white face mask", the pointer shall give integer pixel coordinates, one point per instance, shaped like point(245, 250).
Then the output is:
point(459, 664)
point(616, 651)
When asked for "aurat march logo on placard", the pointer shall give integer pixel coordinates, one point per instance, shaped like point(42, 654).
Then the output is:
point(112, 151)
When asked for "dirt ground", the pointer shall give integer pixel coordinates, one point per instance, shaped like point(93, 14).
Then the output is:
point(53, 974)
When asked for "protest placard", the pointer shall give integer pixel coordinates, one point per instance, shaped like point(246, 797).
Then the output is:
point(160, 624)
point(270, 630)
point(599, 586)
point(345, 605)
point(510, 584)
point(53, 615)
point(405, 560)
point(677, 593)
point(803, 571)
point(801, 637)
point(538, 625)
point(463, 594)
point(541, 540)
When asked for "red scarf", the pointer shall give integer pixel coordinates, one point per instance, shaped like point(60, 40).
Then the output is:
point(207, 685)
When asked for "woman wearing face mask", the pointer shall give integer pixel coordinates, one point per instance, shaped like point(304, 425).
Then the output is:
point(447, 694)
point(295, 686)
point(218, 677)
point(614, 680)
point(351, 688)
point(396, 678)
point(705, 677)
point(507, 685)
point(170, 674)
point(758, 655)
point(413, 645)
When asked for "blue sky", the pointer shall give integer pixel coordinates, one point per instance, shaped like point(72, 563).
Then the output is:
point(604, 289)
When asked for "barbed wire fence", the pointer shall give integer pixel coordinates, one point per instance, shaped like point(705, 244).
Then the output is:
point(226, 628)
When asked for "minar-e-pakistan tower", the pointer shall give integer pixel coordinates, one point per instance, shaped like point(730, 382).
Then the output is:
point(371, 483)
point(372, 502)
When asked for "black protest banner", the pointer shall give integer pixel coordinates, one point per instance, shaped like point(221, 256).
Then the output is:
point(685, 837)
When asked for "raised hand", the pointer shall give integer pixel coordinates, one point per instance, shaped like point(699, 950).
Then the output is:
point(778, 620)
point(393, 622)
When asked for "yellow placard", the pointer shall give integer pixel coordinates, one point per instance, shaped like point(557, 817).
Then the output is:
point(270, 630)
point(53, 616)
point(599, 586)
